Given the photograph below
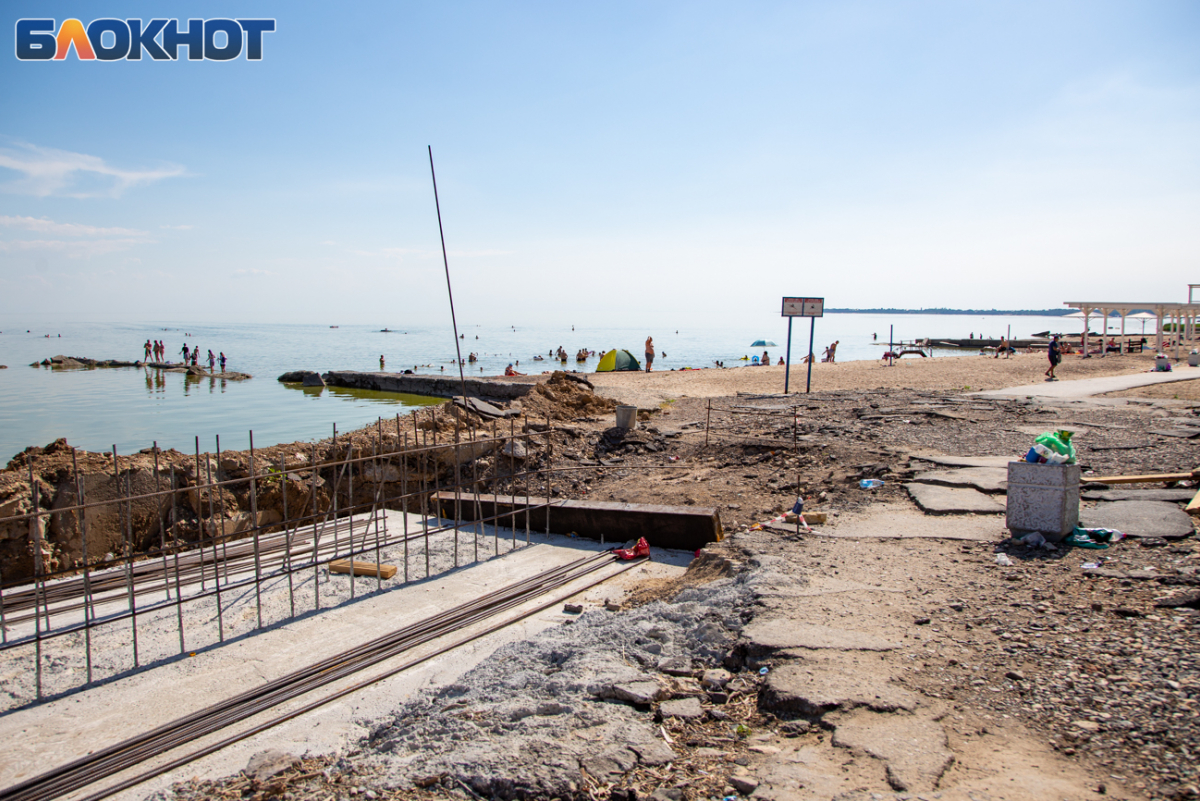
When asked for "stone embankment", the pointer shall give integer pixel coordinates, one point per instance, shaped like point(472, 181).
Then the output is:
point(433, 386)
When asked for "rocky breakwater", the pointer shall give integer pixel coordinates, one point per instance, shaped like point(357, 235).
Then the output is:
point(61, 362)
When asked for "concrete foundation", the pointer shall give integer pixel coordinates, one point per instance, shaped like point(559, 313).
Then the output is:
point(1044, 498)
point(434, 386)
point(679, 527)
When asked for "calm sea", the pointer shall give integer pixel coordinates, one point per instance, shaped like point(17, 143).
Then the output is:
point(131, 408)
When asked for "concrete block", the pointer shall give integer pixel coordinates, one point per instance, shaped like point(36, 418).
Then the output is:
point(1044, 498)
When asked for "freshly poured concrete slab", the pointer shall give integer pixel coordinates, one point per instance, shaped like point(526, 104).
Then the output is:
point(1140, 519)
point(935, 500)
point(984, 479)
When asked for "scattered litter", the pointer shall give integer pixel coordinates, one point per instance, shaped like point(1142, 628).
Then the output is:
point(1096, 538)
point(573, 609)
point(870, 483)
point(1033, 539)
point(1052, 447)
point(1090, 565)
point(762, 671)
point(641, 549)
point(1003, 560)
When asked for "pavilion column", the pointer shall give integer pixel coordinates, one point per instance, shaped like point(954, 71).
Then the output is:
point(1178, 331)
point(1158, 348)
point(1084, 338)
point(1124, 339)
point(1104, 335)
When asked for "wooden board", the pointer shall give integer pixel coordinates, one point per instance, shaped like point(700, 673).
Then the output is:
point(1147, 479)
point(362, 568)
point(1193, 507)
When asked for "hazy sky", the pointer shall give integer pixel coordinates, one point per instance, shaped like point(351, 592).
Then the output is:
point(607, 162)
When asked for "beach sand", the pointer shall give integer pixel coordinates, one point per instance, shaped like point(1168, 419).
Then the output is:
point(964, 373)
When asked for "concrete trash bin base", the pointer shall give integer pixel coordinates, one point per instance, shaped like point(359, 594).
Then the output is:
point(626, 417)
point(1043, 498)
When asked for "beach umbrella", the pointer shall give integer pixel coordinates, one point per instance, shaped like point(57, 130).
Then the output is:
point(763, 343)
point(1143, 316)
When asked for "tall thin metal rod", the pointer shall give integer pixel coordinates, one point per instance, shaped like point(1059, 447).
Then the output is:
point(254, 522)
point(199, 511)
point(128, 536)
point(446, 262)
point(88, 611)
point(404, 492)
point(162, 528)
point(216, 560)
point(175, 552)
point(287, 534)
point(36, 526)
point(221, 498)
point(316, 542)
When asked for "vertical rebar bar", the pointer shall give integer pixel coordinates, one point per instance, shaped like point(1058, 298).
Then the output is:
point(162, 528)
point(437, 481)
point(199, 514)
point(35, 525)
point(404, 495)
point(375, 508)
point(287, 534)
point(549, 464)
point(477, 526)
point(88, 610)
point(496, 498)
point(528, 456)
point(216, 559)
point(707, 419)
point(128, 545)
point(457, 473)
point(425, 499)
point(175, 554)
point(224, 537)
point(316, 538)
point(257, 531)
point(337, 477)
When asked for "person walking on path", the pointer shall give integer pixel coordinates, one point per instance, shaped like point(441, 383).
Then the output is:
point(649, 352)
point(1054, 353)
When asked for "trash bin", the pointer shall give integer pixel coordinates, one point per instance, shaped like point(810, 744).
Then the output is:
point(626, 417)
point(1043, 498)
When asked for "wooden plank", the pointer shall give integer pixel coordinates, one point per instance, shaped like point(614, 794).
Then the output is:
point(1193, 507)
point(1146, 479)
point(362, 568)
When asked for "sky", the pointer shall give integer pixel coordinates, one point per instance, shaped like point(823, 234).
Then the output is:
point(605, 163)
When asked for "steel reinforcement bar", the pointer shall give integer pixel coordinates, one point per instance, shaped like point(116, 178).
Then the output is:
point(129, 753)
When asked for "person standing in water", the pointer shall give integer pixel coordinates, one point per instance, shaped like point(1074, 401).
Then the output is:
point(381, 361)
point(649, 352)
point(221, 358)
point(212, 361)
point(148, 349)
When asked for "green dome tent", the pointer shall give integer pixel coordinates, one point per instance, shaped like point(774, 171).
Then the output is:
point(618, 361)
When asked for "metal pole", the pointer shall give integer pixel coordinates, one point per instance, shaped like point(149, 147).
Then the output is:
point(404, 494)
point(131, 594)
point(162, 528)
point(549, 465)
point(287, 534)
point(88, 611)
point(175, 554)
point(787, 370)
point(316, 538)
point(707, 422)
point(446, 262)
point(216, 559)
point(224, 538)
point(812, 330)
point(35, 526)
point(254, 522)
point(378, 493)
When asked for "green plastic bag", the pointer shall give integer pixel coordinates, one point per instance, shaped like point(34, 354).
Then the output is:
point(1059, 442)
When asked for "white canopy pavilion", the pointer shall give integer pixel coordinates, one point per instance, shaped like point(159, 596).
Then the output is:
point(1183, 318)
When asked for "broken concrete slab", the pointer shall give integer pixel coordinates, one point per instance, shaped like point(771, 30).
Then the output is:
point(483, 408)
point(764, 635)
point(984, 479)
point(811, 690)
point(915, 748)
point(1140, 519)
point(641, 693)
point(687, 708)
point(935, 500)
point(900, 520)
point(1178, 495)
point(963, 461)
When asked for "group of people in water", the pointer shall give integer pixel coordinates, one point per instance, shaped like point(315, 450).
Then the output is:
point(156, 351)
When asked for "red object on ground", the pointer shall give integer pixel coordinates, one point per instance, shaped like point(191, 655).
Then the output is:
point(641, 549)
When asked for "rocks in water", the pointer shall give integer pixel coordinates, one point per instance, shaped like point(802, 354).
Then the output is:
point(312, 379)
point(308, 378)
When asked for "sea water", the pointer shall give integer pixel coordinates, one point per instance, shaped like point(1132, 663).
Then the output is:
point(134, 407)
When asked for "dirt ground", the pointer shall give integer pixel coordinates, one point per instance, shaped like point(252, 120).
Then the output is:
point(1179, 390)
point(889, 652)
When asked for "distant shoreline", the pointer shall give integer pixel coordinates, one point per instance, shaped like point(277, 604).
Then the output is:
point(998, 312)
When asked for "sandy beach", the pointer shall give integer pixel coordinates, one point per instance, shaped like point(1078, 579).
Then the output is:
point(963, 373)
